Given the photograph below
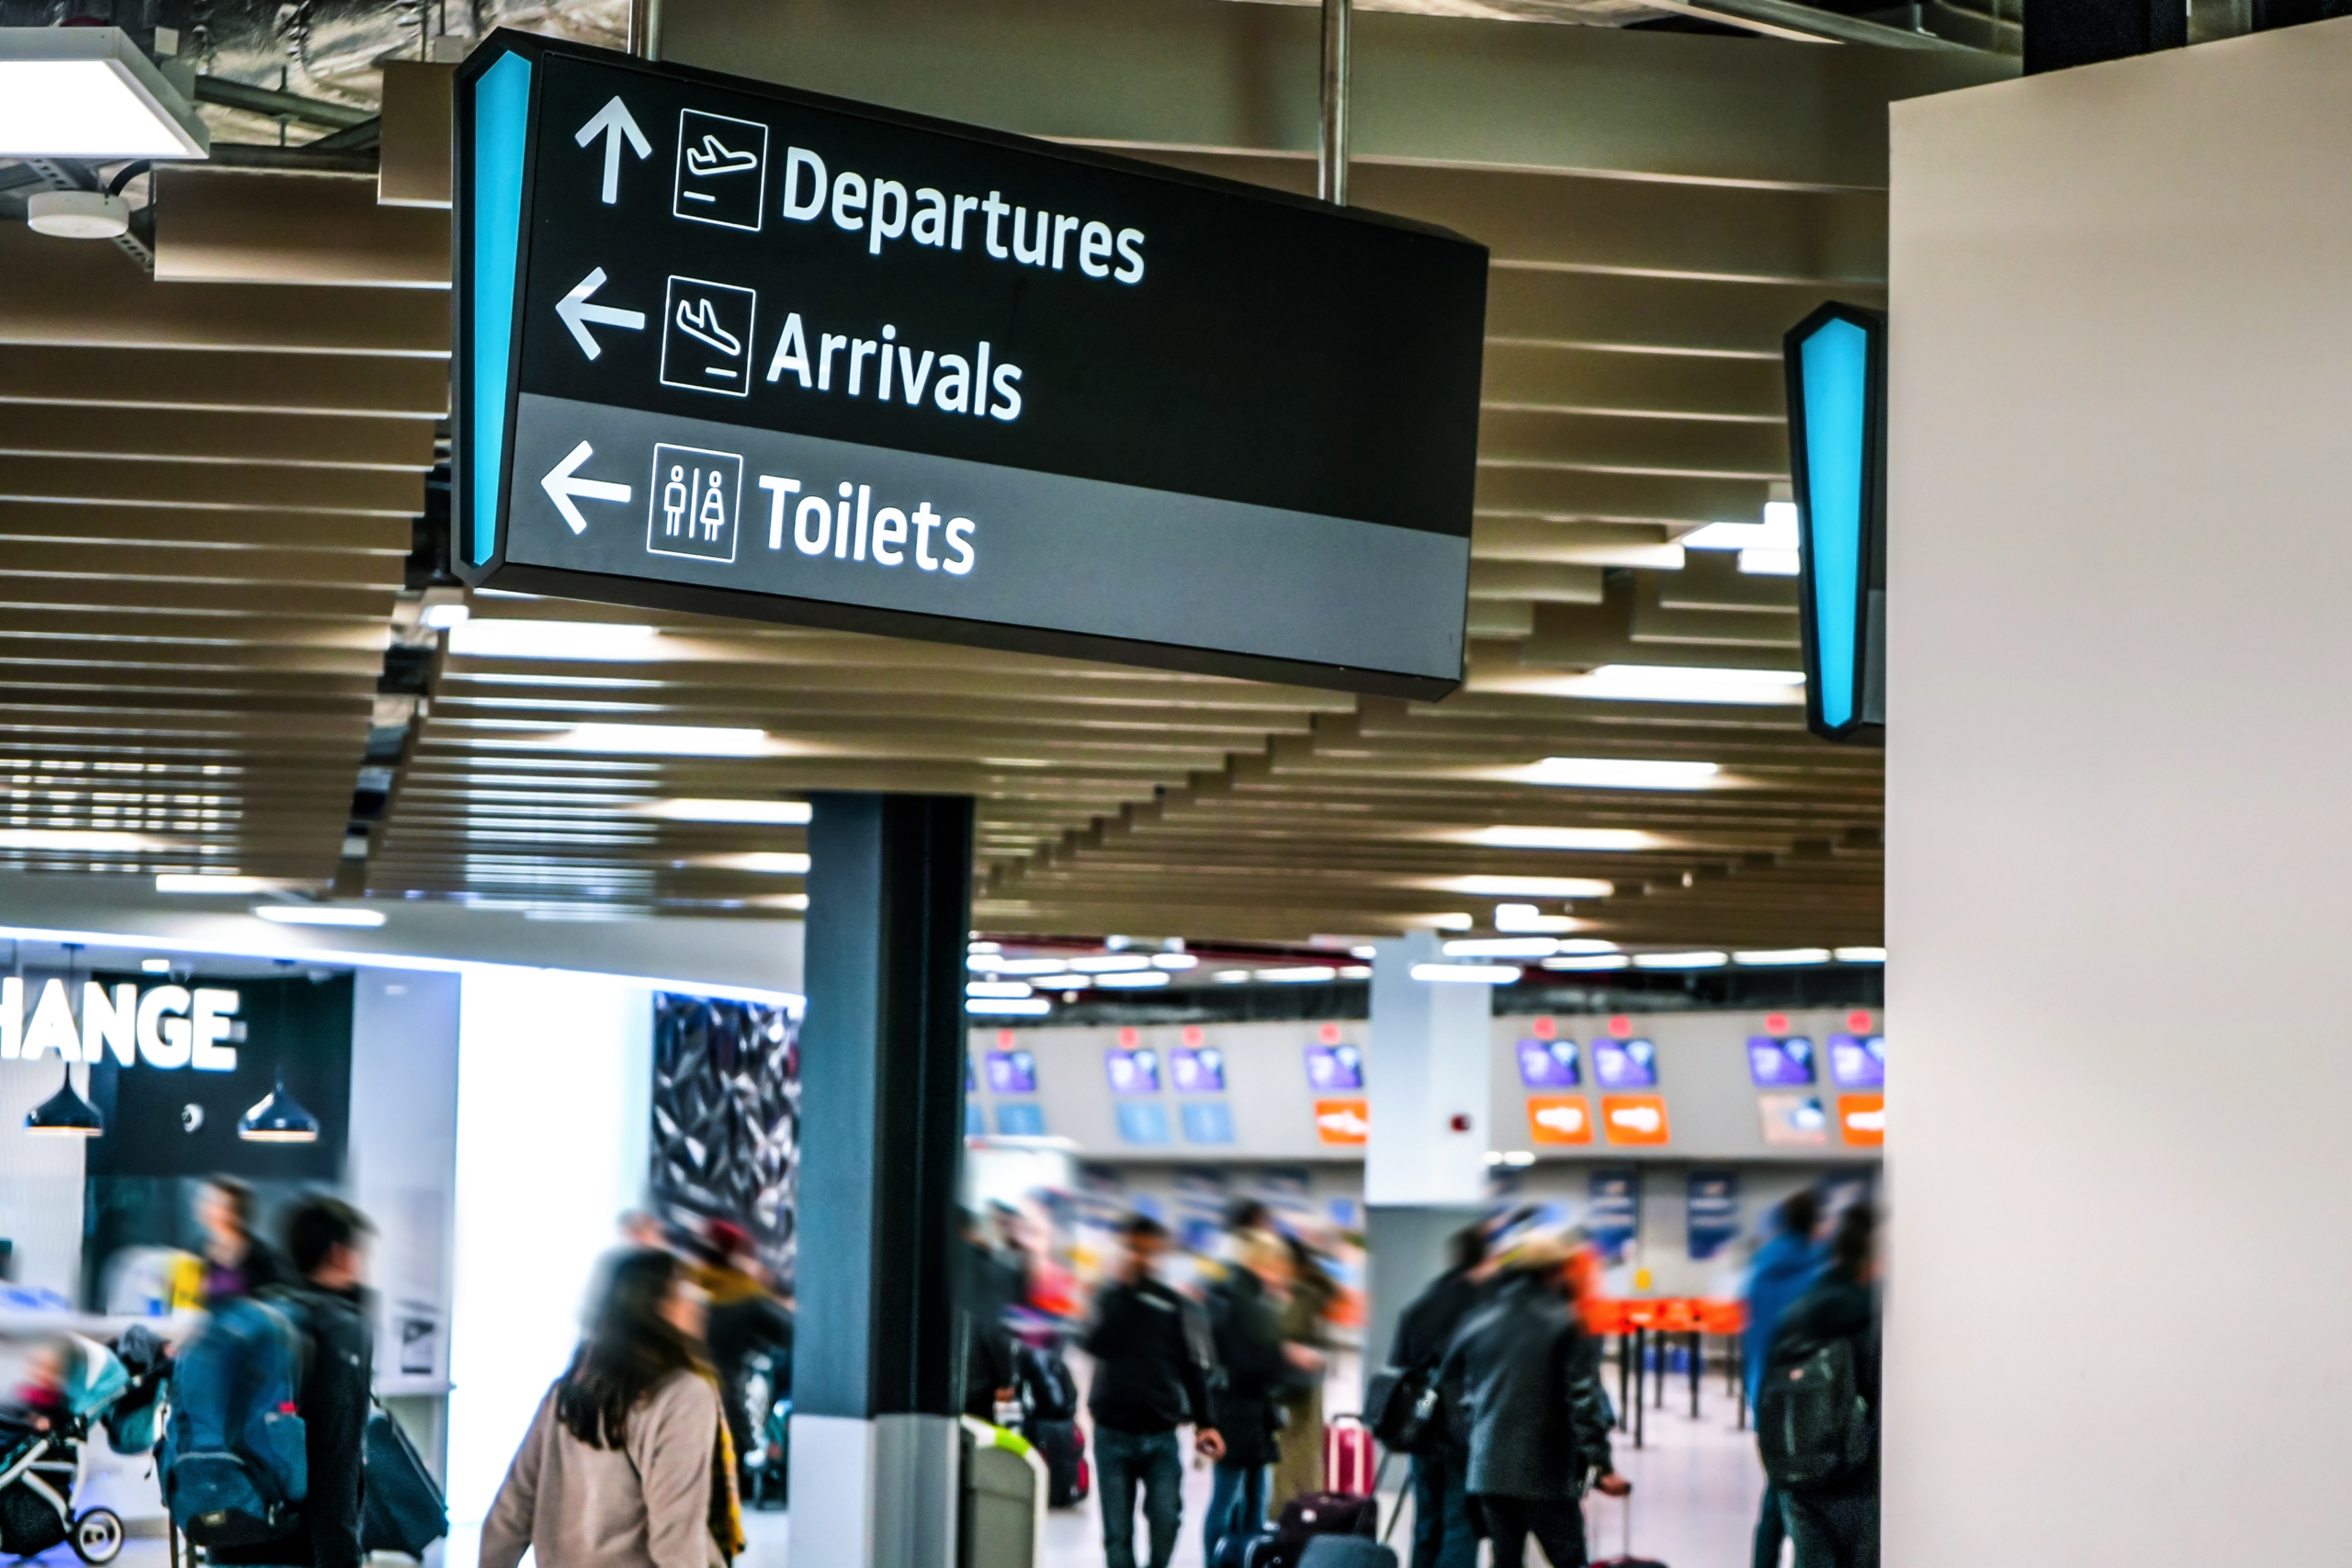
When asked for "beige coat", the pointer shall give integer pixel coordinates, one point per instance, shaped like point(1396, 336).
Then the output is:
point(646, 1505)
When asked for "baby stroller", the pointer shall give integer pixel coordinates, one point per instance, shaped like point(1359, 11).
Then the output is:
point(39, 1469)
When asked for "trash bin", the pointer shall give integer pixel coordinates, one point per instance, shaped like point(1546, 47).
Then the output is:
point(1003, 1516)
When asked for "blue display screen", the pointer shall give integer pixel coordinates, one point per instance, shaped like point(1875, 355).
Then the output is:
point(1132, 1072)
point(1334, 1066)
point(1775, 1063)
point(1197, 1070)
point(1625, 1064)
point(1548, 1064)
point(1858, 1061)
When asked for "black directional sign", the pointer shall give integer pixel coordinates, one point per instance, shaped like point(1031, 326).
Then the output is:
point(729, 347)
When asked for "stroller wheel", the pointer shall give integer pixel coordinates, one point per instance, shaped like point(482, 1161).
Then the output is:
point(98, 1536)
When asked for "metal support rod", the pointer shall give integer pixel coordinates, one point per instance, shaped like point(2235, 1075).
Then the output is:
point(1625, 1381)
point(1698, 1354)
point(1641, 1377)
point(645, 28)
point(1331, 148)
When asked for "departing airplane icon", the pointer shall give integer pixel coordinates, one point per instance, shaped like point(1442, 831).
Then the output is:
point(714, 157)
point(698, 319)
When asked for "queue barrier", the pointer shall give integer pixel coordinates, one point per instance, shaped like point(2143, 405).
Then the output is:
point(1640, 1324)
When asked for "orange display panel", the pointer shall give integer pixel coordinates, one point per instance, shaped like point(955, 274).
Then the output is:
point(1559, 1119)
point(1342, 1120)
point(1634, 1118)
point(1862, 1119)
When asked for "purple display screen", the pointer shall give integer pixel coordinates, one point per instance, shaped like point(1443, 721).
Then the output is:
point(1132, 1072)
point(1779, 1063)
point(1858, 1063)
point(1625, 1064)
point(1011, 1072)
point(1334, 1066)
point(1548, 1064)
point(1197, 1070)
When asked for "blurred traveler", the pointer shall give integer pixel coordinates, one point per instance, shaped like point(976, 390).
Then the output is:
point(1828, 1340)
point(1152, 1361)
point(985, 1294)
point(1442, 1534)
point(1245, 1318)
point(1531, 1392)
point(629, 1460)
point(327, 1241)
point(1784, 1268)
point(237, 1262)
point(1300, 1470)
point(744, 1321)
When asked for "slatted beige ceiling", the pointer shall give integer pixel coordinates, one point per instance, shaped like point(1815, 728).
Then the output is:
point(207, 493)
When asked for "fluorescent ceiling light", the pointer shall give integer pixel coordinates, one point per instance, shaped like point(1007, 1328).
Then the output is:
point(1587, 944)
point(994, 963)
point(1680, 960)
point(318, 915)
point(444, 617)
point(662, 740)
point(1526, 918)
point(1133, 980)
point(480, 639)
point(1502, 947)
point(89, 92)
point(1304, 975)
point(1519, 837)
point(1355, 971)
point(1466, 974)
point(1232, 977)
point(156, 966)
point(1109, 963)
point(1531, 887)
point(1363, 950)
point(999, 988)
point(984, 947)
point(1770, 563)
point(1615, 773)
point(774, 862)
point(1007, 1006)
point(1174, 961)
point(1780, 956)
point(91, 841)
point(1861, 955)
point(1661, 683)
point(1586, 960)
point(1777, 532)
point(773, 813)
point(184, 881)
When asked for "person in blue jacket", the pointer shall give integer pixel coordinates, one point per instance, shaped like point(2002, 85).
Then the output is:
point(1785, 1268)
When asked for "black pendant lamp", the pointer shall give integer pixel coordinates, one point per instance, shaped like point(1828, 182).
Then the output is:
point(279, 1117)
point(66, 1114)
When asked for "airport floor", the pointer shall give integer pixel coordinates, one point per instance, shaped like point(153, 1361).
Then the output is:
point(1696, 1486)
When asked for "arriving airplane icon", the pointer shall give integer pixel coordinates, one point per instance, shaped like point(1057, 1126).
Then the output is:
point(715, 157)
point(698, 319)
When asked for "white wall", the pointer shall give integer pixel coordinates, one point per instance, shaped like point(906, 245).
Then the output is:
point(2118, 848)
point(555, 1081)
point(401, 1162)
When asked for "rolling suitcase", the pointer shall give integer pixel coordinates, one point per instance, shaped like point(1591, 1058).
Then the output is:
point(1347, 1552)
point(1347, 1457)
point(1628, 1560)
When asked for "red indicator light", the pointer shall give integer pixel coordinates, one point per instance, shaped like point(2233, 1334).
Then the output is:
point(1329, 1035)
point(1776, 1023)
point(1004, 1040)
point(1192, 1035)
point(1130, 1038)
point(1621, 1027)
point(1544, 1029)
point(1859, 1023)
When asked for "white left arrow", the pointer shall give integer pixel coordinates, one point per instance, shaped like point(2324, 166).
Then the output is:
point(563, 488)
point(614, 122)
point(577, 313)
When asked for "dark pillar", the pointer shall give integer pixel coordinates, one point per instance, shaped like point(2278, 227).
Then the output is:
point(2269, 14)
point(876, 1384)
point(2063, 33)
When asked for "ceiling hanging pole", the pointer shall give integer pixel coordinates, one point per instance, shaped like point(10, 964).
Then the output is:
point(1331, 148)
point(645, 28)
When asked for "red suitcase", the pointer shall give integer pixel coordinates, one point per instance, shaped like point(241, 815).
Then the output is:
point(1628, 1560)
point(1348, 1458)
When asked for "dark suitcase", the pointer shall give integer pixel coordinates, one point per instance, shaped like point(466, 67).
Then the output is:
point(1316, 1513)
point(1628, 1560)
point(403, 1511)
point(1347, 1552)
point(1063, 1448)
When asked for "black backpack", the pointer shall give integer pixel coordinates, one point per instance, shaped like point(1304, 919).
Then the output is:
point(1047, 1391)
point(1812, 1424)
point(1401, 1408)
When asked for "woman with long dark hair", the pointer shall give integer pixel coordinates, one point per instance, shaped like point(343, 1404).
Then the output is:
point(627, 1463)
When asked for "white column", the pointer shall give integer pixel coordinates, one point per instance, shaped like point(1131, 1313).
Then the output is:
point(2118, 845)
point(1427, 1072)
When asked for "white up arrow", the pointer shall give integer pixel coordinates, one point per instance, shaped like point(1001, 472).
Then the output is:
point(613, 122)
point(563, 489)
point(577, 313)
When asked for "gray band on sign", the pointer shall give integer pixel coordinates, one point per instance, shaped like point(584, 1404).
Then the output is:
point(761, 512)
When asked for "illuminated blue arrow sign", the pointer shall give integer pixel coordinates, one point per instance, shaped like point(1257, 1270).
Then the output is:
point(1836, 377)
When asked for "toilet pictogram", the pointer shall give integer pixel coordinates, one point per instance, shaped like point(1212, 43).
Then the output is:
point(696, 501)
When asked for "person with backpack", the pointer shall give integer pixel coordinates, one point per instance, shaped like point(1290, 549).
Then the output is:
point(745, 1320)
point(1152, 1365)
point(1246, 1322)
point(1784, 1268)
point(628, 1460)
point(1817, 1417)
point(326, 1241)
point(1530, 1403)
point(1442, 1535)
